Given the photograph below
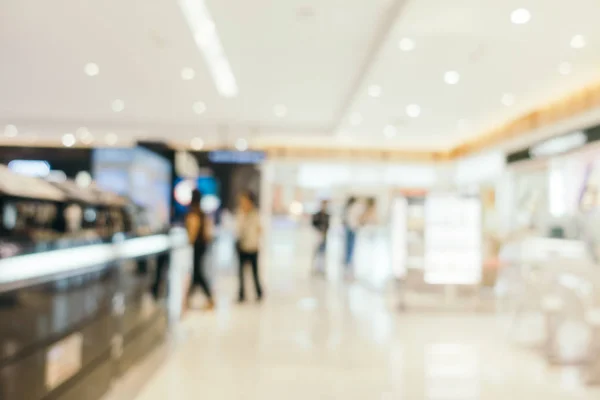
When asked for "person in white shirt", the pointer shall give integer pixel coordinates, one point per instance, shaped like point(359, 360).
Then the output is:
point(248, 242)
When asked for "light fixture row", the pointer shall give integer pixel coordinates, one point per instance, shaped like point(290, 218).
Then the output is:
point(84, 136)
point(68, 139)
point(197, 144)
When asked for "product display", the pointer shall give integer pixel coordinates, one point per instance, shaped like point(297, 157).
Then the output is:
point(415, 236)
point(453, 245)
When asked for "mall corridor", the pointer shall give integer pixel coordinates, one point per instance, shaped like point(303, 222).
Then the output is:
point(318, 339)
point(417, 183)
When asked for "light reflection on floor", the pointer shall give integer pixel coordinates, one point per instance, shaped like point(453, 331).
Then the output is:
point(325, 339)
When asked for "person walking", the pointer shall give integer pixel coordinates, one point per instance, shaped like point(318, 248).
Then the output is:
point(199, 228)
point(352, 219)
point(248, 242)
point(320, 222)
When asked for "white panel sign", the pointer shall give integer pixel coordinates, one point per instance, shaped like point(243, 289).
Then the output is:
point(399, 237)
point(453, 248)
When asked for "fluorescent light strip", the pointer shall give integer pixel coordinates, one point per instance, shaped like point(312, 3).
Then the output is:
point(207, 39)
point(32, 266)
point(40, 265)
point(139, 247)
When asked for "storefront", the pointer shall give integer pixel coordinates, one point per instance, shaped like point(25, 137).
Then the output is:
point(555, 184)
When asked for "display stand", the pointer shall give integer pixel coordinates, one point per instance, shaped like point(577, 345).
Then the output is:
point(559, 277)
point(100, 310)
point(452, 251)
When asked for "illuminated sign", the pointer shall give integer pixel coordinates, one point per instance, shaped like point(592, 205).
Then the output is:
point(559, 145)
point(236, 157)
point(453, 245)
point(35, 168)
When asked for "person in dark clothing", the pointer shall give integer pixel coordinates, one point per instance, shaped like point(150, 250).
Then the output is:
point(320, 221)
point(199, 229)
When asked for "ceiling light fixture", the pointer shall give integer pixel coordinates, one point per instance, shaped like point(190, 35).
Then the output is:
point(578, 42)
point(390, 131)
point(207, 39)
point(375, 91)
point(508, 99)
point(82, 132)
point(406, 44)
point(559, 145)
point(187, 74)
point(451, 77)
point(356, 119)
point(565, 68)
point(10, 131)
point(88, 139)
point(84, 135)
point(91, 69)
point(197, 144)
point(520, 16)
point(111, 139)
point(68, 140)
point(199, 107)
point(241, 144)
point(413, 110)
point(280, 110)
point(118, 105)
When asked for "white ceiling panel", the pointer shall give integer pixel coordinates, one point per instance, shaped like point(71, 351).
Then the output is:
point(313, 60)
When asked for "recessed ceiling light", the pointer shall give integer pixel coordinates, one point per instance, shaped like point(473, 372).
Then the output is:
point(280, 110)
point(68, 140)
point(111, 139)
point(241, 144)
point(390, 131)
point(508, 99)
point(199, 107)
point(565, 68)
point(375, 91)
point(451, 77)
point(197, 143)
point(10, 131)
point(91, 69)
point(187, 74)
point(356, 119)
point(117, 105)
point(84, 135)
point(413, 110)
point(578, 42)
point(406, 44)
point(82, 132)
point(88, 139)
point(520, 16)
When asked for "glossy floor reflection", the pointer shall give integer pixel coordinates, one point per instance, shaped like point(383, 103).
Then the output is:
point(325, 339)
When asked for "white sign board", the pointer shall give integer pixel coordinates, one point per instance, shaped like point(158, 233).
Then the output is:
point(399, 236)
point(453, 245)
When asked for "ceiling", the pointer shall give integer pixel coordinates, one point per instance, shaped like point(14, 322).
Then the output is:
point(316, 58)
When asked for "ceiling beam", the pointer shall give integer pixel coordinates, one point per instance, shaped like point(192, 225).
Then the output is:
point(384, 28)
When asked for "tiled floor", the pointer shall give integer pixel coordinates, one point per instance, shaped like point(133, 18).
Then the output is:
point(318, 339)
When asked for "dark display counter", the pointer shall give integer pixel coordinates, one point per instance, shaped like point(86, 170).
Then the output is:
point(74, 320)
